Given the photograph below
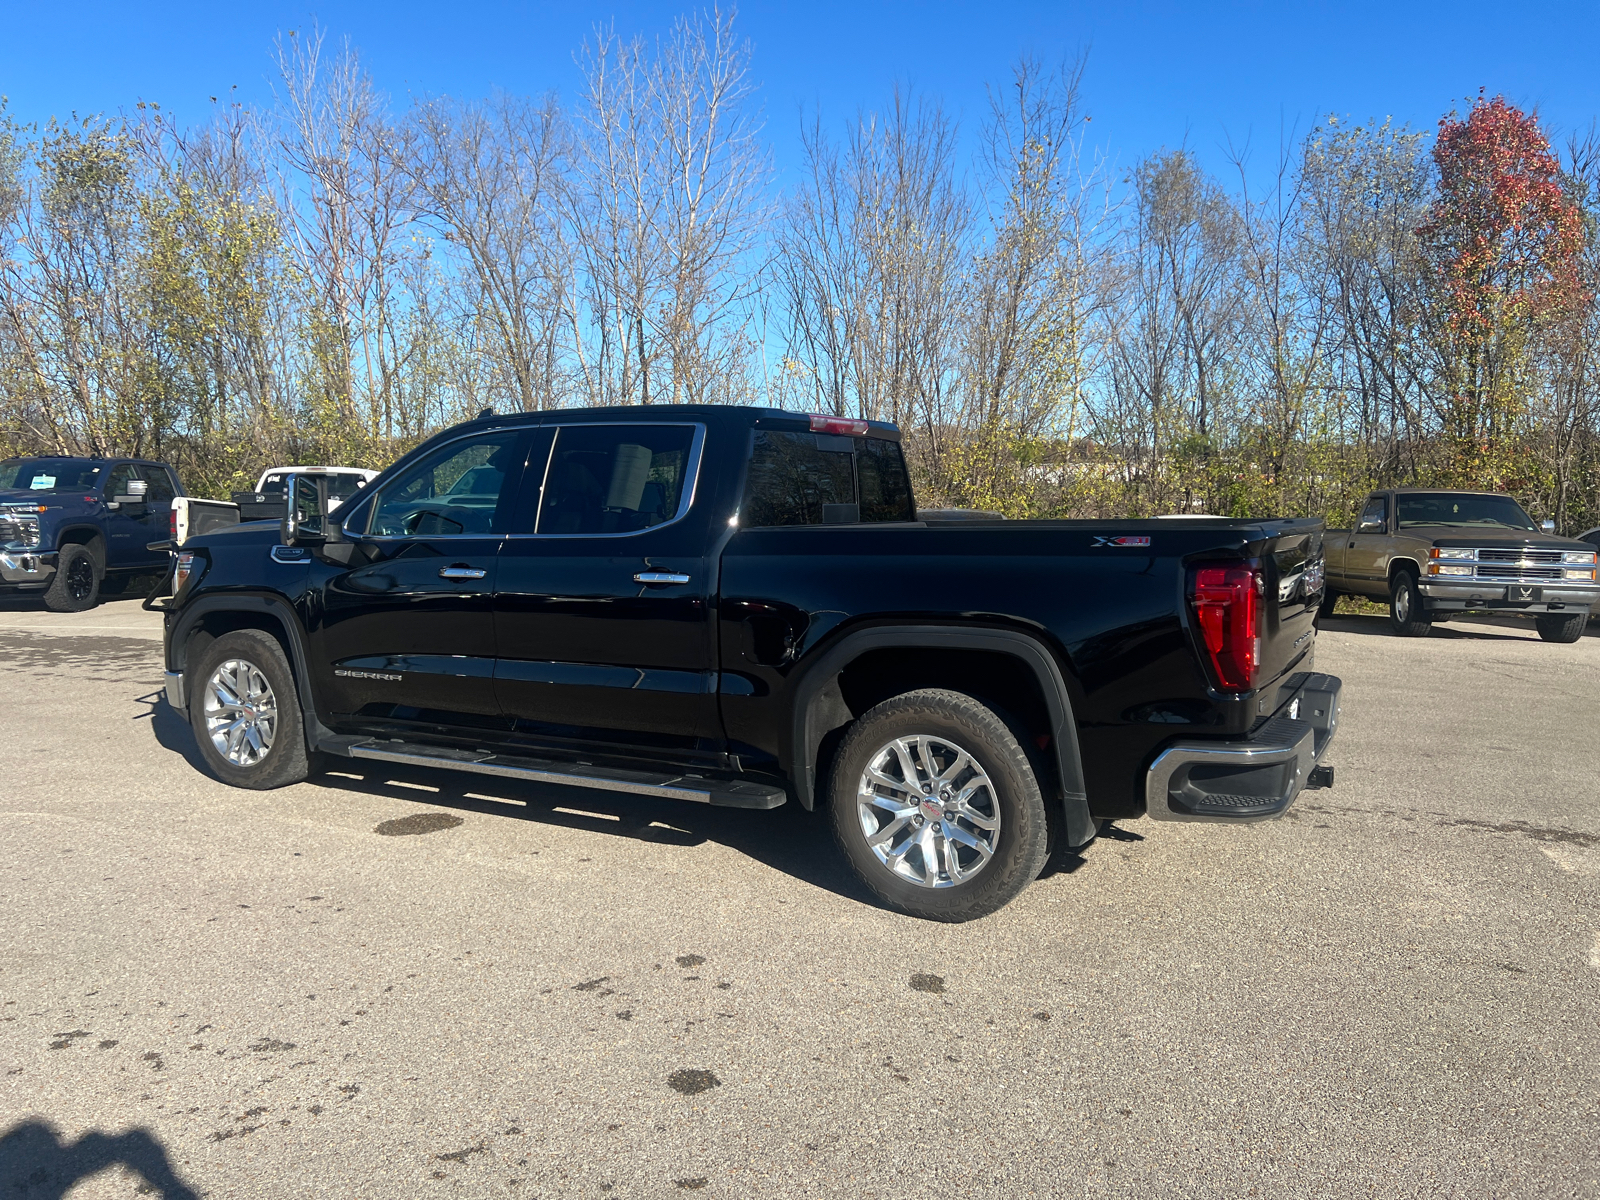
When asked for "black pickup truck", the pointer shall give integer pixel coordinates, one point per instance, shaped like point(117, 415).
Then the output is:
point(741, 606)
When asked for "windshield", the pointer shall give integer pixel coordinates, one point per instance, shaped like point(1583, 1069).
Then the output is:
point(1453, 509)
point(49, 474)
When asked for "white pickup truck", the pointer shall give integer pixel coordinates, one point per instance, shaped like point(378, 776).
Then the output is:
point(192, 516)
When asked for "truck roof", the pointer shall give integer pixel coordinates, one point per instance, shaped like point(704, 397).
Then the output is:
point(745, 413)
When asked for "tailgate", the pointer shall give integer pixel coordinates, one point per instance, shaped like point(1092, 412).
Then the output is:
point(191, 517)
point(1294, 572)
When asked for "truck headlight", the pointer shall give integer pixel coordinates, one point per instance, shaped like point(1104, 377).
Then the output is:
point(1578, 556)
point(1571, 573)
point(1440, 569)
point(19, 531)
point(1452, 552)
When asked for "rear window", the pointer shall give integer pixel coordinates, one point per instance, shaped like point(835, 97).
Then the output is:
point(824, 479)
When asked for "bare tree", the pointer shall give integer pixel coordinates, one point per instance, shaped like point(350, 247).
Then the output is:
point(347, 203)
point(873, 259)
point(494, 177)
point(669, 212)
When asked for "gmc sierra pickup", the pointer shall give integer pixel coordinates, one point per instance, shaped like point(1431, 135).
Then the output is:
point(1433, 553)
point(740, 606)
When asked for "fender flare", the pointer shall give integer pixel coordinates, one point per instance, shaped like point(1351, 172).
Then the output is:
point(815, 694)
point(275, 608)
point(1398, 563)
point(95, 543)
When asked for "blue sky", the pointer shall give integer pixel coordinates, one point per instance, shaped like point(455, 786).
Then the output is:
point(1159, 73)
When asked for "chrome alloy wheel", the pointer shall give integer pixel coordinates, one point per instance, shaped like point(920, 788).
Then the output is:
point(241, 712)
point(929, 811)
point(1402, 603)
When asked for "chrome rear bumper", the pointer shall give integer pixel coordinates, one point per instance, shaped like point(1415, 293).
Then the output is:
point(1252, 778)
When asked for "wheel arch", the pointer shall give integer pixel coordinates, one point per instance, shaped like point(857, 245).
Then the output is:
point(1398, 564)
point(821, 698)
point(87, 536)
point(210, 617)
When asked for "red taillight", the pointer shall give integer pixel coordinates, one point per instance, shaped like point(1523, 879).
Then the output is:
point(1227, 606)
point(845, 425)
point(172, 525)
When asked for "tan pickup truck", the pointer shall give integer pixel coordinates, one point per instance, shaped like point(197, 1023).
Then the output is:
point(1433, 553)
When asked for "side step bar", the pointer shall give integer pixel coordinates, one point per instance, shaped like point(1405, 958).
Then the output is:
point(724, 793)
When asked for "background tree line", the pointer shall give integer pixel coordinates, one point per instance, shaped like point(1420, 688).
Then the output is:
point(334, 277)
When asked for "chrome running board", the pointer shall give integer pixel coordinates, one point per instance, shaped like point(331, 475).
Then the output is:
point(723, 793)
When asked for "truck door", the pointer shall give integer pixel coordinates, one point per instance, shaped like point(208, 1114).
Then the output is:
point(407, 629)
point(1366, 554)
point(603, 609)
point(132, 524)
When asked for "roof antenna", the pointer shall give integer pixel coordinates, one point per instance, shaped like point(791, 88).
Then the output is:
point(488, 412)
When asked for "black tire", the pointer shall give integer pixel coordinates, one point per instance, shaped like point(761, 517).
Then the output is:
point(283, 759)
point(1406, 613)
point(1330, 598)
point(1561, 627)
point(1009, 795)
point(76, 586)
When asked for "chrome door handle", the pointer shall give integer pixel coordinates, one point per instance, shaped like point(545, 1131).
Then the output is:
point(461, 573)
point(660, 577)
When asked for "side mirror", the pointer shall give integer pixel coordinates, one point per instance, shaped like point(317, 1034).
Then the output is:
point(1547, 526)
point(1370, 527)
point(135, 493)
point(305, 511)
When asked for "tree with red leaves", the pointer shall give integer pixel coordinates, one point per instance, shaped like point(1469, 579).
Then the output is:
point(1503, 240)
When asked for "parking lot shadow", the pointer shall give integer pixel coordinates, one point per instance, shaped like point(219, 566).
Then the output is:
point(787, 839)
point(1486, 628)
point(36, 1162)
point(171, 730)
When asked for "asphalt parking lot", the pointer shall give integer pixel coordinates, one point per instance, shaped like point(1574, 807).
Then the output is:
point(1394, 991)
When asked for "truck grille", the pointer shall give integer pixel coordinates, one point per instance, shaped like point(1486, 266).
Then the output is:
point(1518, 572)
point(1525, 557)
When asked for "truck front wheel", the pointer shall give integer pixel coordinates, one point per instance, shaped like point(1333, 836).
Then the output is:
point(246, 714)
point(937, 808)
point(1406, 613)
point(76, 586)
point(1561, 627)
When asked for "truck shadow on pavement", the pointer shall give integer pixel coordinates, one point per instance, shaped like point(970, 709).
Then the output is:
point(1478, 629)
point(787, 839)
point(36, 1162)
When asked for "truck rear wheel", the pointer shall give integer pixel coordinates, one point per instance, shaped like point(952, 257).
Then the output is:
point(1406, 613)
point(246, 713)
point(937, 808)
point(1561, 627)
point(76, 586)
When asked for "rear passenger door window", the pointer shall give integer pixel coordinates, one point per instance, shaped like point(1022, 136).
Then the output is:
point(616, 479)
